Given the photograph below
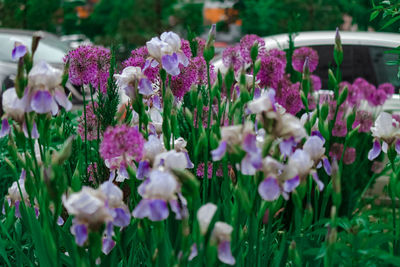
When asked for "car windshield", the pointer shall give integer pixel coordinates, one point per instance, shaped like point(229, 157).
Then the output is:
point(369, 62)
point(49, 49)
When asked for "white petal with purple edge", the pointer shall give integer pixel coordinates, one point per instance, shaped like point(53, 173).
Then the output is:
point(42, 102)
point(5, 128)
point(246, 166)
point(145, 87)
point(62, 99)
point(81, 233)
point(327, 166)
point(375, 150)
point(18, 52)
point(397, 146)
point(269, 189)
point(108, 245)
point(318, 181)
point(225, 253)
point(219, 152)
point(170, 64)
point(291, 184)
point(183, 59)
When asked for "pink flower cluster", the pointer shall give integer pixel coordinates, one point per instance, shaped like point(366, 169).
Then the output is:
point(92, 123)
point(349, 156)
point(200, 170)
point(300, 55)
point(123, 143)
point(89, 65)
point(272, 69)
point(363, 90)
point(288, 95)
point(364, 119)
point(231, 58)
point(247, 42)
point(138, 59)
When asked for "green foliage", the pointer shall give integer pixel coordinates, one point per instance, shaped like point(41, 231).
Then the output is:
point(25, 14)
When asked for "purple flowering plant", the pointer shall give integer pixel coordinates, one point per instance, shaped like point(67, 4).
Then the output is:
point(179, 164)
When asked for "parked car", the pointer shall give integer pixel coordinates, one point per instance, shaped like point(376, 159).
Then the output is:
point(50, 49)
point(365, 55)
point(75, 40)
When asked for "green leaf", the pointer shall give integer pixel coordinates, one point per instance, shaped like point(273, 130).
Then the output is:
point(374, 15)
point(390, 22)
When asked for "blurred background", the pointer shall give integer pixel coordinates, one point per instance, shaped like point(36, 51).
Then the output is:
point(130, 23)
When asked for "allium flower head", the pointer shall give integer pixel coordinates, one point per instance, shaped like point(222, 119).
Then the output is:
point(364, 119)
point(138, 59)
point(388, 88)
point(122, 144)
point(271, 71)
point(349, 155)
point(290, 98)
point(340, 128)
point(300, 55)
point(92, 123)
point(315, 82)
point(231, 58)
point(247, 42)
point(89, 65)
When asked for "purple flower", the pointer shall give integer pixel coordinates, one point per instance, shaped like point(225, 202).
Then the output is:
point(121, 144)
point(92, 123)
point(289, 97)
point(44, 92)
point(138, 59)
point(364, 120)
point(18, 52)
point(388, 88)
point(231, 58)
point(5, 128)
point(166, 51)
point(299, 58)
point(375, 150)
point(270, 189)
point(89, 65)
point(340, 128)
point(157, 191)
point(315, 82)
point(247, 42)
point(349, 155)
point(272, 70)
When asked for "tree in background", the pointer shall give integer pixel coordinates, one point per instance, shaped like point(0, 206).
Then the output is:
point(266, 17)
point(29, 14)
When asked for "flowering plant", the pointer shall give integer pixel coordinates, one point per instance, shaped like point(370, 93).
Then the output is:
point(179, 164)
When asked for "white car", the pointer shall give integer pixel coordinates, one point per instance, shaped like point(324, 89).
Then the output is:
point(365, 55)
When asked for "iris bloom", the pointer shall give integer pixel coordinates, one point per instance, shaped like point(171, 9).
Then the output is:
point(132, 79)
point(386, 130)
point(167, 52)
point(220, 235)
point(94, 207)
point(158, 191)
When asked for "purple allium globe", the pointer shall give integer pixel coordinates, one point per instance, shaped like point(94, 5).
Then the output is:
point(300, 55)
point(122, 144)
point(231, 58)
point(247, 42)
point(89, 65)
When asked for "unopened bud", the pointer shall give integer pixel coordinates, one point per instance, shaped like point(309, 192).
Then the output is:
point(37, 36)
point(65, 152)
point(306, 66)
point(254, 51)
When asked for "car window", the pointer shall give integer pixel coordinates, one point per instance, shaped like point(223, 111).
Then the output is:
point(368, 62)
point(47, 50)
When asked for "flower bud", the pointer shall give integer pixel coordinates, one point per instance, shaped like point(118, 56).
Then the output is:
point(37, 36)
point(211, 36)
point(343, 96)
point(65, 152)
point(254, 51)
